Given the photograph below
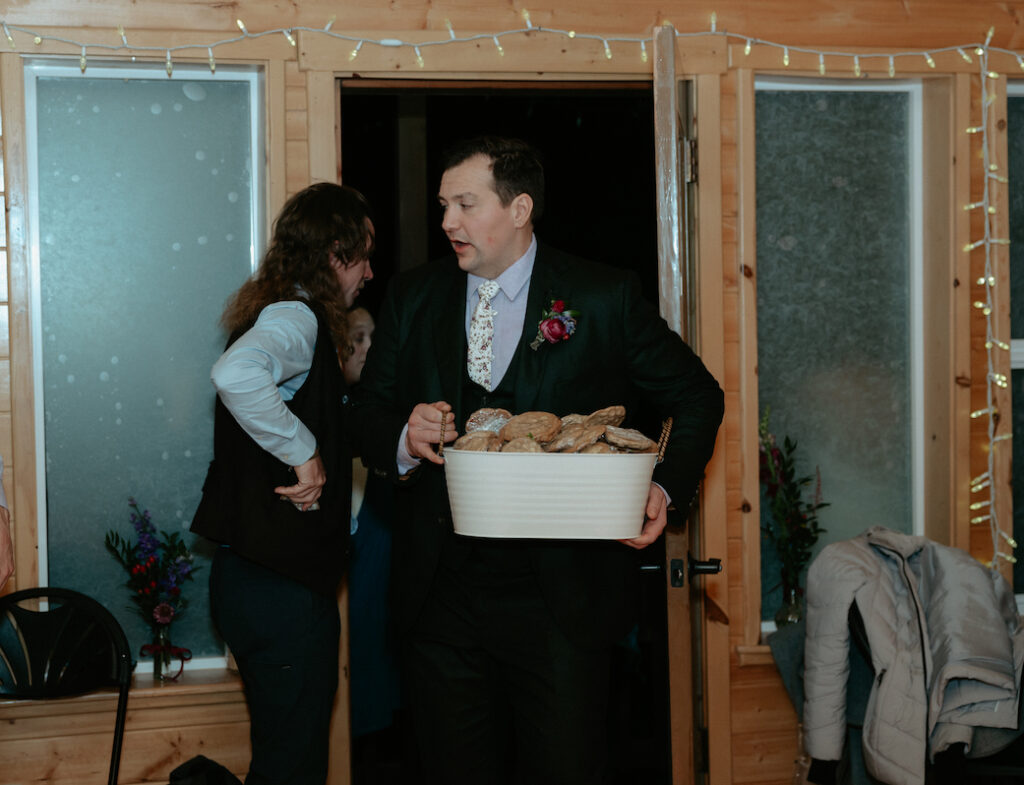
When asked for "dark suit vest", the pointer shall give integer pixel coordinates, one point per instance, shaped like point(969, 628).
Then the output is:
point(239, 507)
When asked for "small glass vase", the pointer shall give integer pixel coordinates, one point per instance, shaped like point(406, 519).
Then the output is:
point(792, 609)
point(161, 652)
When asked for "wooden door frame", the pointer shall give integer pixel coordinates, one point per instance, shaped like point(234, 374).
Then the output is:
point(707, 341)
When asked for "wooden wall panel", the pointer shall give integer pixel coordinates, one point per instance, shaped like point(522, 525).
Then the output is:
point(754, 738)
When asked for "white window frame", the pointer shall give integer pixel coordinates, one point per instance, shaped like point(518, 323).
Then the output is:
point(915, 168)
point(36, 68)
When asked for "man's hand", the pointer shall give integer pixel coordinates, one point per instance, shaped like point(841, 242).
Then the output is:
point(311, 479)
point(655, 518)
point(425, 430)
point(6, 547)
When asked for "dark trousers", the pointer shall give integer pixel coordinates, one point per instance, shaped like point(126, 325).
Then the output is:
point(285, 640)
point(498, 694)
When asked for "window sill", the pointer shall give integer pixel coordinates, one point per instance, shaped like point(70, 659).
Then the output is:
point(168, 722)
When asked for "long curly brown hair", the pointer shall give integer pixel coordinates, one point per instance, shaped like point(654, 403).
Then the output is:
point(322, 220)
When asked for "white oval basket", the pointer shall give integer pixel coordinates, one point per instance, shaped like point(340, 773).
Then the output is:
point(548, 495)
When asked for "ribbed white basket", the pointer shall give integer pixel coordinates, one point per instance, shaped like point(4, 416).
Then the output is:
point(548, 495)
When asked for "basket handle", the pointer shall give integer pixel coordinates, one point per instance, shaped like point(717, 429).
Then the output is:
point(666, 429)
point(440, 446)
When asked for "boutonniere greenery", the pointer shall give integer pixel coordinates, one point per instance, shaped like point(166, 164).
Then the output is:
point(556, 324)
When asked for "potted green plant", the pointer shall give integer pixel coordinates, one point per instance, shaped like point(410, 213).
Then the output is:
point(793, 526)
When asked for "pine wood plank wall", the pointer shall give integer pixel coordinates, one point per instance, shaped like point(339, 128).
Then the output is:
point(760, 722)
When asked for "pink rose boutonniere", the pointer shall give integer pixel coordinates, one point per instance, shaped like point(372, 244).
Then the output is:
point(556, 324)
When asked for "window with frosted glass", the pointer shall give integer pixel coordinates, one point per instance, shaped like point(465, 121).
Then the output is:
point(146, 222)
point(833, 303)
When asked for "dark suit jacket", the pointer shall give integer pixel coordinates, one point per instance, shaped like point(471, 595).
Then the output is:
point(621, 353)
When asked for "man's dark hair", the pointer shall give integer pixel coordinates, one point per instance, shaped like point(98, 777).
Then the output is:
point(515, 164)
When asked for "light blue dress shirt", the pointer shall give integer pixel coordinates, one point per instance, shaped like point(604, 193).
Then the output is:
point(509, 315)
point(264, 368)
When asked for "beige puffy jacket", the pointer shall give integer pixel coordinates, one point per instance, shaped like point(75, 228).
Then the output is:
point(946, 647)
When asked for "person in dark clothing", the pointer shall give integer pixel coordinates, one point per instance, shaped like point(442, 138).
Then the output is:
point(507, 643)
point(277, 495)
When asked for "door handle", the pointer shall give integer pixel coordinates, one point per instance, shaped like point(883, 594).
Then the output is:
point(678, 574)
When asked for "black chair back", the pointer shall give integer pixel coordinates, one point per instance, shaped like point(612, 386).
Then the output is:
point(55, 643)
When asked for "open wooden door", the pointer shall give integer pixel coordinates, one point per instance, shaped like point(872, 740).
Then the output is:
point(675, 159)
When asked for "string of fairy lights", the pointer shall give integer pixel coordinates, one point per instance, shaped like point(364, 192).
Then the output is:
point(982, 511)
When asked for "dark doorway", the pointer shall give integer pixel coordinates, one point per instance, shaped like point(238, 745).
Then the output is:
point(598, 146)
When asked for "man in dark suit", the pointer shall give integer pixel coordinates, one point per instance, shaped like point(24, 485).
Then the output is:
point(506, 643)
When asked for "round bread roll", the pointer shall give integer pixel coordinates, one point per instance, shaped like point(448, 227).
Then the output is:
point(610, 415)
point(478, 441)
point(488, 420)
point(570, 419)
point(565, 439)
point(629, 439)
point(540, 426)
point(599, 447)
point(522, 444)
point(589, 435)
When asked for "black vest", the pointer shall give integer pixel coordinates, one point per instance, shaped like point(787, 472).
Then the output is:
point(239, 507)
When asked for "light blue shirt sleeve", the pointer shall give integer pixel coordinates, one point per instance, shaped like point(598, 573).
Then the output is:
point(263, 369)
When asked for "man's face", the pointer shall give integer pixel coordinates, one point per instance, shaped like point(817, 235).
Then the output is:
point(353, 277)
point(482, 231)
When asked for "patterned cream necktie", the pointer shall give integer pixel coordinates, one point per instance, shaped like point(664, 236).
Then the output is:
point(481, 336)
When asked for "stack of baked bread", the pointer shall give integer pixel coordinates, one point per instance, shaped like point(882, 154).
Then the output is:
point(494, 430)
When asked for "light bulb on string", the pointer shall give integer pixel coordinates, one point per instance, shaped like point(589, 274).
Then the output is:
point(993, 74)
point(169, 65)
point(982, 412)
point(785, 55)
point(82, 60)
point(1003, 437)
point(714, 21)
point(607, 50)
point(892, 67)
point(241, 26)
point(1008, 557)
point(526, 18)
point(964, 55)
point(643, 51)
point(981, 504)
point(288, 35)
point(419, 57)
point(931, 62)
point(120, 32)
point(988, 36)
point(746, 50)
point(975, 244)
point(1020, 62)
point(212, 62)
point(980, 519)
point(821, 63)
point(355, 52)
point(1009, 540)
point(451, 30)
point(497, 45)
point(330, 23)
point(10, 38)
point(856, 65)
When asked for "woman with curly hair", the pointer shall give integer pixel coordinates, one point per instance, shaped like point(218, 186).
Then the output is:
point(278, 493)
